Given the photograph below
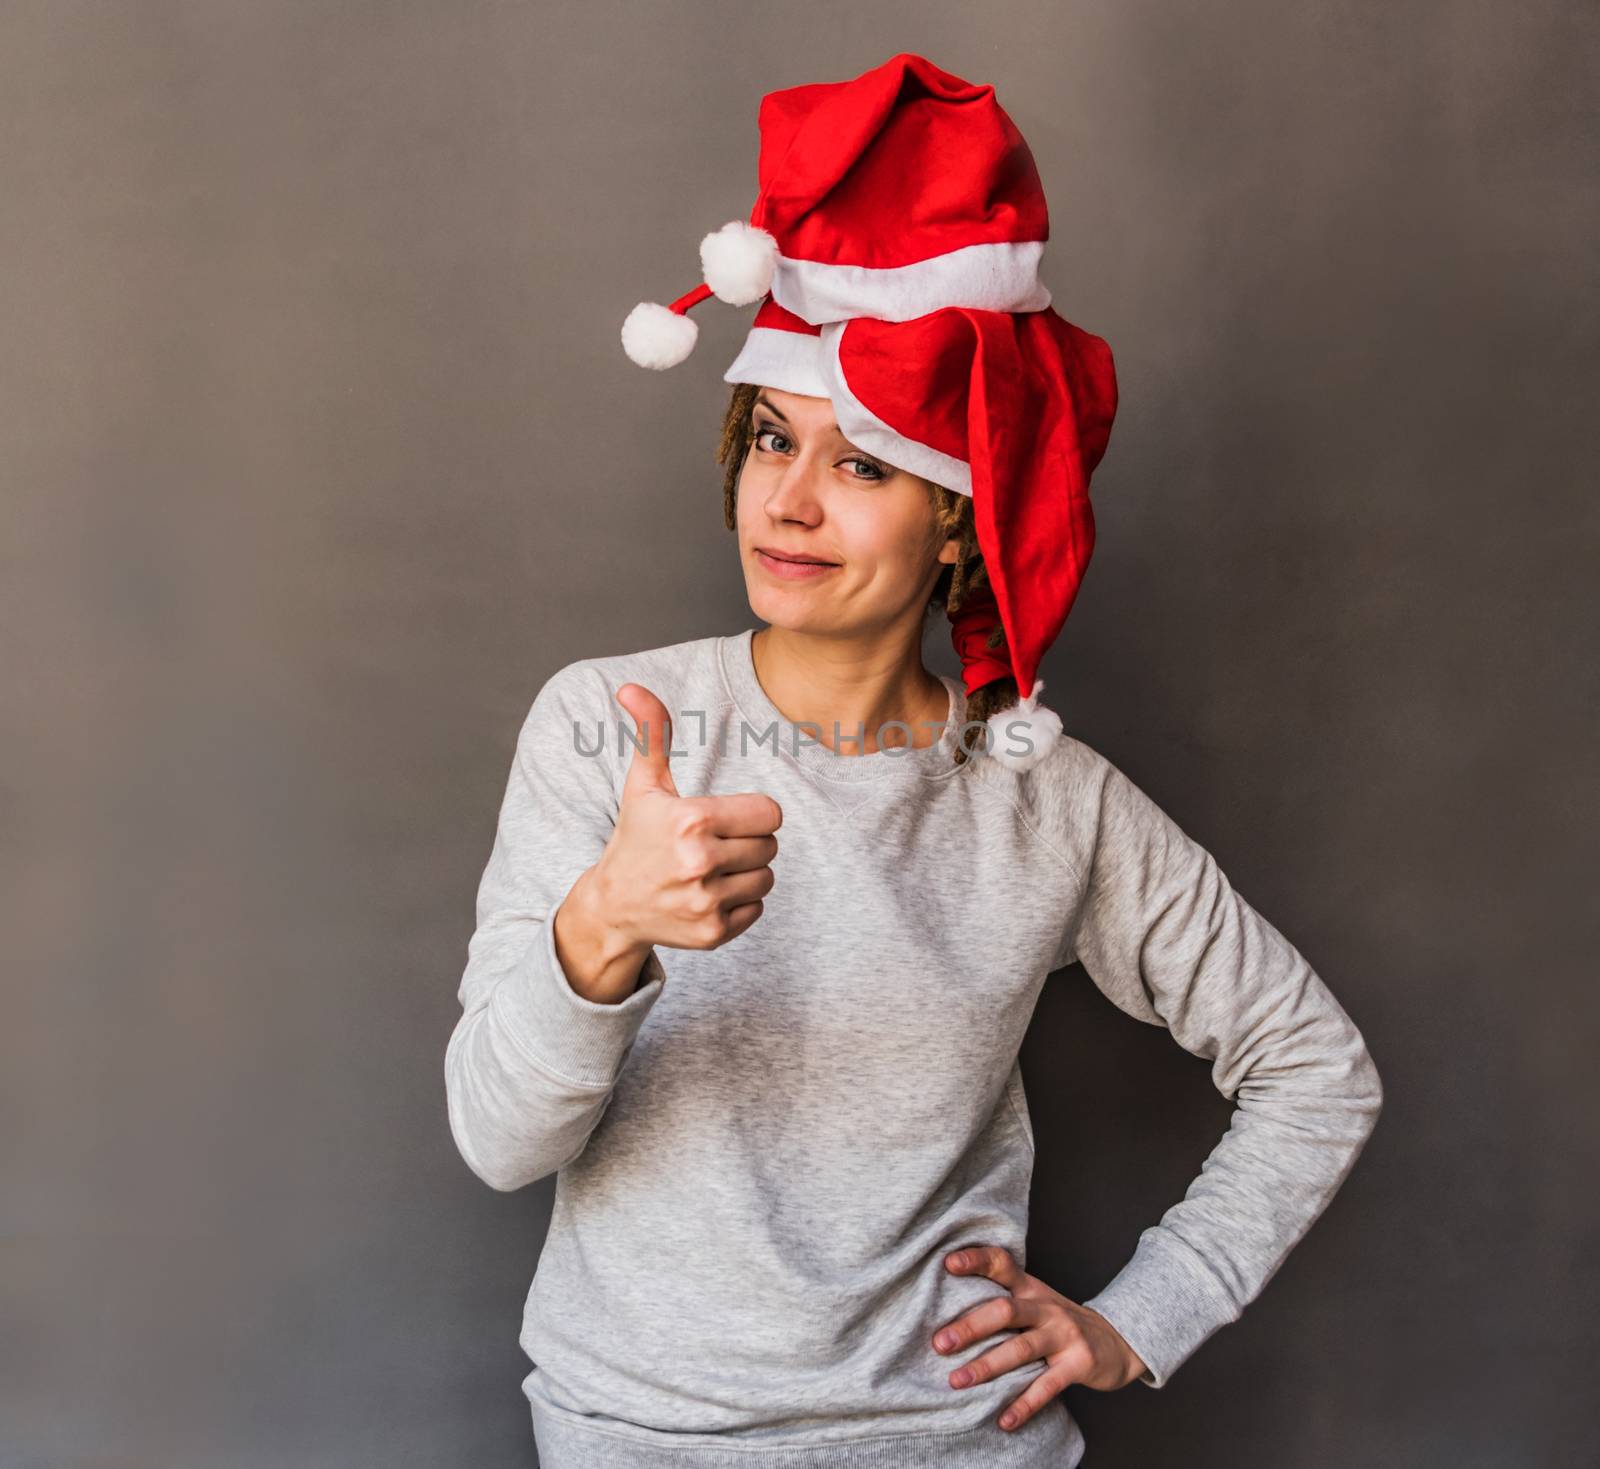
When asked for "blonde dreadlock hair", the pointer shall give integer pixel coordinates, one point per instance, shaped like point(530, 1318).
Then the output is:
point(952, 517)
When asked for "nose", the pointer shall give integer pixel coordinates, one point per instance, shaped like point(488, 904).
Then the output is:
point(793, 495)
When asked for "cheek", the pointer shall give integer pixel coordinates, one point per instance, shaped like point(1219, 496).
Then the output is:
point(746, 503)
point(879, 536)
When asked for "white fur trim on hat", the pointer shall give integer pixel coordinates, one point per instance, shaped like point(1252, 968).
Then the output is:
point(1003, 277)
point(788, 361)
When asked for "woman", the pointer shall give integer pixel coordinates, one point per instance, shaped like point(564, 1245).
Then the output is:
point(751, 979)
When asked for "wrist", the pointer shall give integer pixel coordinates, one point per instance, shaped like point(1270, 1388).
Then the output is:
point(1133, 1365)
point(602, 961)
point(612, 941)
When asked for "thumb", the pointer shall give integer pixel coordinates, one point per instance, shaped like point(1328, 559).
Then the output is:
point(649, 770)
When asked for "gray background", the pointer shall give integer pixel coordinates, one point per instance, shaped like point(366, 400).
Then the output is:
point(321, 454)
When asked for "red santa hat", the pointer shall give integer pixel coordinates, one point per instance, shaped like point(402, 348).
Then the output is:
point(894, 247)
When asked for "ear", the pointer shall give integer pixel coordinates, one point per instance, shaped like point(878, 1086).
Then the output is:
point(950, 552)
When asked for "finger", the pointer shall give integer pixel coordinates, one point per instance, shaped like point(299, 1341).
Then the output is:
point(742, 917)
point(995, 1261)
point(747, 814)
point(984, 1319)
point(1018, 1351)
point(733, 890)
point(742, 854)
point(648, 769)
point(1048, 1384)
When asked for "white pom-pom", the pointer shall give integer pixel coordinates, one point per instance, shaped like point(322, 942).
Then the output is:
point(1021, 736)
point(656, 336)
point(738, 261)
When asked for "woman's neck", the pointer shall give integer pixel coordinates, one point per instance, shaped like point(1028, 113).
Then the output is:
point(858, 684)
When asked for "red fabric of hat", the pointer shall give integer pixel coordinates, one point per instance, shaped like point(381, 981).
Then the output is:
point(845, 178)
point(1026, 401)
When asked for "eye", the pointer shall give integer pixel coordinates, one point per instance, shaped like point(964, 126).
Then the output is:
point(878, 471)
point(763, 429)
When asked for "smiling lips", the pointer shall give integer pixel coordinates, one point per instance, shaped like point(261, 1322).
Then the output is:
point(793, 568)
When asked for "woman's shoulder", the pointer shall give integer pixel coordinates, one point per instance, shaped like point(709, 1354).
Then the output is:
point(1080, 802)
point(576, 721)
point(1069, 767)
point(683, 675)
point(1060, 798)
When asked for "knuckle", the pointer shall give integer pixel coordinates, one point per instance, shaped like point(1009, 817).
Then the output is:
point(693, 857)
point(690, 819)
point(704, 905)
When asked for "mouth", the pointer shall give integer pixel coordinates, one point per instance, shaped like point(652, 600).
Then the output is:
point(792, 566)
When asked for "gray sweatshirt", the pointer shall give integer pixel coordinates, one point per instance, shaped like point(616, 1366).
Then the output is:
point(763, 1155)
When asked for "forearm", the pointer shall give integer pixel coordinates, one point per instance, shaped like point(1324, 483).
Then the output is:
point(1293, 1139)
point(530, 1070)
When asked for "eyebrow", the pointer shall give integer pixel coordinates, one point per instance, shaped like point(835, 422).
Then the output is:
point(762, 401)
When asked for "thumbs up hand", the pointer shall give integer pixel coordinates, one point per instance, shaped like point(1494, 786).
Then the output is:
point(685, 872)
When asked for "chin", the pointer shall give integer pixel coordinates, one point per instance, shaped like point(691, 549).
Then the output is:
point(797, 610)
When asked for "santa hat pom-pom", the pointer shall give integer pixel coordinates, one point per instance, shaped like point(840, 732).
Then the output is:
point(657, 336)
point(1012, 730)
point(738, 262)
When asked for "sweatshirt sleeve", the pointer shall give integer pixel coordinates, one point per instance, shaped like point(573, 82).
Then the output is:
point(531, 1064)
point(1164, 935)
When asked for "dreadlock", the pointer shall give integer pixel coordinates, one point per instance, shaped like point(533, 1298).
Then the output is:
point(952, 514)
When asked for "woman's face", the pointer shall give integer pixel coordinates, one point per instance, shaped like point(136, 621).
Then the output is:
point(806, 492)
